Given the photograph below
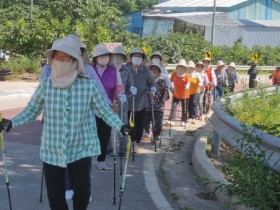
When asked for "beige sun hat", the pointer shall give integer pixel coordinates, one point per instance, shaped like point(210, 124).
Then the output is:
point(84, 50)
point(119, 50)
point(232, 64)
point(138, 50)
point(67, 45)
point(100, 49)
point(220, 63)
point(191, 64)
point(199, 63)
point(156, 65)
point(182, 62)
point(206, 59)
point(156, 53)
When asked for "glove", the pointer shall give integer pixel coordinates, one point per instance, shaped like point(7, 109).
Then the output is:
point(123, 98)
point(5, 125)
point(127, 130)
point(133, 90)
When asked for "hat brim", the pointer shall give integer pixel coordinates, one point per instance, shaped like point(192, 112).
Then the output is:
point(63, 48)
point(155, 66)
point(101, 54)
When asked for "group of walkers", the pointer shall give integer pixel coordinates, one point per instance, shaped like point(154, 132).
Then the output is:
point(83, 99)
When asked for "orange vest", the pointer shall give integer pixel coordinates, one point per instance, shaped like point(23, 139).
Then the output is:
point(209, 75)
point(194, 88)
point(276, 78)
point(179, 85)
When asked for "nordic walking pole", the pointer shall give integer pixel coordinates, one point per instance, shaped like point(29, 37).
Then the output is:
point(5, 165)
point(185, 110)
point(153, 123)
point(164, 98)
point(133, 91)
point(115, 159)
point(125, 166)
point(42, 182)
point(121, 134)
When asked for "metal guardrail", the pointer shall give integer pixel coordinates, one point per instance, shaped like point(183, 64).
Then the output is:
point(262, 68)
point(230, 129)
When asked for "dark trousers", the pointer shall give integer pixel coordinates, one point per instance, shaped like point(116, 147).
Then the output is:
point(55, 183)
point(104, 134)
point(206, 100)
point(139, 125)
point(184, 103)
point(194, 99)
point(156, 128)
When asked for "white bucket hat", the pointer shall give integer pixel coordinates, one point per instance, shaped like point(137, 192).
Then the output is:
point(156, 53)
point(182, 62)
point(220, 63)
point(67, 45)
point(119, 50)
point(206, 59)
point(232, 64)
point(156, 65)
point(191, 64)
point(138, 50)
point(84, 50)
point(100, 49)
point(199, 63)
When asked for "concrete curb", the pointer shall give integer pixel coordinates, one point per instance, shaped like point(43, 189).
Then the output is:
point(205, 169)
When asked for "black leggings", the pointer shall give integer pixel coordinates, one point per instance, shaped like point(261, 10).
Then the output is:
point(139, 124)
point(104, 134)
point(55, 183)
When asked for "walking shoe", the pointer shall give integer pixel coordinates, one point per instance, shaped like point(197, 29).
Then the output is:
point(121, 155)
point(90, 199)
point(183, 124)
point(69, 194)
point(168, 123)
point(101, 165)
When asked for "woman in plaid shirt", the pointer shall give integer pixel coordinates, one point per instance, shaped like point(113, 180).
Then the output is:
point(69, 136)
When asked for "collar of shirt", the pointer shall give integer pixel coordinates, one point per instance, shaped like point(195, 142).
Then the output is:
point(100, 69)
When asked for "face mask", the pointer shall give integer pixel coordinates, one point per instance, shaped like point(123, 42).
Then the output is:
point(199, 69)
point(103, 60)
point(180, 71)
point(206, 66)
point(63, 73)
point(137, 61)
point(156, 61)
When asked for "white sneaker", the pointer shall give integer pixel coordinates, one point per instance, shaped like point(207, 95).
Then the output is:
point(69, 194)
point(101, 165)
point(183, 124)
point(90, 199)
point(168, 123)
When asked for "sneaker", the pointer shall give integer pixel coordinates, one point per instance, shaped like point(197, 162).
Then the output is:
point(168, 123)
point(121, 155)
point(183, 124)
point(69, 194)
point(101, 165)
point(90, 199)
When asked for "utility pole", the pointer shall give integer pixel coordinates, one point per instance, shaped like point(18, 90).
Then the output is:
point(31, 8)
point(213, 23)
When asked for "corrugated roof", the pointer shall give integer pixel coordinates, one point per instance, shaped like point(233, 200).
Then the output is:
point(261, 23)
point(201, 18)
point(199, 3)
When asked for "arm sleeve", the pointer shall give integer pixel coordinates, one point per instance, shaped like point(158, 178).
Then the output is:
point(166, 77)
point(46, 72)
point(104, 111)
point(90, 72)
point(33, 108)
point(200, 80)
point(150, 80)
point(214, 78)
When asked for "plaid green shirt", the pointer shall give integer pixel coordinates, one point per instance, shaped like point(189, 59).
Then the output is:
point(69, 132)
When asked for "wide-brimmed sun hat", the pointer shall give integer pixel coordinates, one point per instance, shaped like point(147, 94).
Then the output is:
point(156, 53)
point(232, 64)
point(68, 46)
point(220, 63)
point(155, 65)
point(100, 49)
point(199, 63)
point(84, 50)
point(206, 59)
point(119, 50)
point(191, 64)
point(182, 62)
point(138, 50)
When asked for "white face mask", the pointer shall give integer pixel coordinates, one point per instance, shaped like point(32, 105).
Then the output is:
point(180, 71)
point(118, 60)
point(103, 60)
point(199, 69)
point(63, 73)
point(137, 61)
point(206, 66)
point(156, 61)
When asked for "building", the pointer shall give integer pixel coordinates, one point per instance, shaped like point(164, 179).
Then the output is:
point(257, 22)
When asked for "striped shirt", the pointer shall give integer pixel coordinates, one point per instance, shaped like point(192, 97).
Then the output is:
point(69, 132)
